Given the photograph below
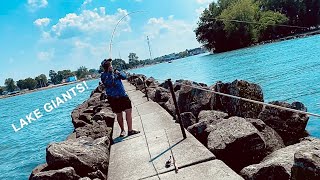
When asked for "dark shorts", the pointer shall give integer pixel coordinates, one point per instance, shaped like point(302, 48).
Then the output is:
point(119, 104)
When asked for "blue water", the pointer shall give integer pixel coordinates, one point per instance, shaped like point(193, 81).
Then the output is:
point(287, 70)
point(22, 151)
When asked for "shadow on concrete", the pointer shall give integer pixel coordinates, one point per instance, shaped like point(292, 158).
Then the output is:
point(126, 138)
point(171, 147)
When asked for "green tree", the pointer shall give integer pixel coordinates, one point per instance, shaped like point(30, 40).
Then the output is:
point(21, 84)
point(1, 90)
point(30, 83)
point(267, 29)
point(133, 60)
point(10, 85)
point(82, 72)
point(232, 24)
point(42, 80)
point(53, 76)
point(240, 34)
point(119, 64)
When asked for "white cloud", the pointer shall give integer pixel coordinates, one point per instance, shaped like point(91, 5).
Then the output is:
point(34, 5)
point(86, 2)
point(204, 1)
point(170, 35)
point(46, 55)
point(89, 22)
point(42, 22)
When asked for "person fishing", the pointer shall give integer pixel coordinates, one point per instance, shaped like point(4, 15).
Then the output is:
point(116, 95)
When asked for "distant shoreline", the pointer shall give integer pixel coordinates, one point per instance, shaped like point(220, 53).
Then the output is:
point(301, 35)
point(41, 89)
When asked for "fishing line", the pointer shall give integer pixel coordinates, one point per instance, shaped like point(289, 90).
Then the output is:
point(115, 28)
point(252, 22)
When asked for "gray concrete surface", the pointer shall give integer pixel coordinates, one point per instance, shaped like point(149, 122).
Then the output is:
point(143, 156)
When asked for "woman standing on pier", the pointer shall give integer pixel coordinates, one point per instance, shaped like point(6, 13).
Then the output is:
point(117, 97)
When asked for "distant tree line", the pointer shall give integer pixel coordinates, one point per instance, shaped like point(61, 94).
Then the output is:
point(43, 81)
point(232, 24)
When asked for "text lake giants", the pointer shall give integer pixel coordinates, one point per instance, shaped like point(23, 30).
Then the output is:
point(50, 106)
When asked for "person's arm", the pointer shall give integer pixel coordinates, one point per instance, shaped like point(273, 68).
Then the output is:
point(109, 81)
point(121, 75)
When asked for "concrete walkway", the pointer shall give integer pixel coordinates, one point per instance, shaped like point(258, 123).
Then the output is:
point(143, 156)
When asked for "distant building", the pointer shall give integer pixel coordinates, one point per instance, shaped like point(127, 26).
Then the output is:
point(71, 79)
point(170, 57)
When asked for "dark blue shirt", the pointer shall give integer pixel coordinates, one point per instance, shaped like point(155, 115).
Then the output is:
point(113, 84)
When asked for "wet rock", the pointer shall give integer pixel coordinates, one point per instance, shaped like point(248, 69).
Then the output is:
point(236, 107)
point(278, 164)
point(84, 154)
point(306, 165)
point(270, 136)
point(65, 173)
point(188, 119)
point(95, 130)
point(289, 125)
point(236, 142)
point(39, 168)
point(192, 99)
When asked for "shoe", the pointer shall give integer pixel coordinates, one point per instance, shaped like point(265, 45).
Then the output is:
point(123, 133)
point(132, 132)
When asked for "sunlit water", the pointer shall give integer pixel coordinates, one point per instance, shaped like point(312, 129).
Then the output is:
point(288, 70)
point(22, 151)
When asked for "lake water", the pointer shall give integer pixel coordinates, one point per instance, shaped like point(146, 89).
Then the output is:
point(22, 151)
point(287, 70)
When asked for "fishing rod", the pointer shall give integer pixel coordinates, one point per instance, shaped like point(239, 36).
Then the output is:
point(115, 28)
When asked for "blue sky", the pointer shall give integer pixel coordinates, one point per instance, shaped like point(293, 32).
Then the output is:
point(39, 35)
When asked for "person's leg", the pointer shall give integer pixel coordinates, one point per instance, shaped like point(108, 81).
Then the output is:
point(120, 121)
point(129, 118)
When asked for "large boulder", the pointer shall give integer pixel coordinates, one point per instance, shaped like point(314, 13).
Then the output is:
point(278, 164)
point(84, 154)
point(271, 137)
point(65, 173)
point(289, 125)
point(169, 105)
point(96, 130)
point(211, 116)
point(99, 89)
point(236, 107)
point(39, 168)
point(151, 82)
point(193, 99)
point(236, 142)
point(205, 118)
point(159, 95)
point(188, 119)
point(105, 115)
point(306, 165)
